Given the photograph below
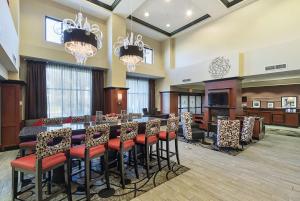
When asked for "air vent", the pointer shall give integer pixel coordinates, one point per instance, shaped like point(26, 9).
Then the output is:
point(276, 67)
point(186, 80)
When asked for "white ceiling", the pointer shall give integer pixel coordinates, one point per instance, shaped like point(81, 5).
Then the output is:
point(161, 12)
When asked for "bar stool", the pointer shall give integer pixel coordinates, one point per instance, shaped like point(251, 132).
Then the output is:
point(95, 146)
point(169, 135)
point(46, 159)
point(148, 139)
point(123, 144)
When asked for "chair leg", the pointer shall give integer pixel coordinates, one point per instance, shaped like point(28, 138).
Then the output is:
point(135, 162)
point(87, 179)
point(158, 156)
point(67, 167)
point(151, 152)
point(129, 157)
point(122, 169)
point(161, 147)
point(147, 159)
point(106, 169)
point(14, 184)
point(168, 154)
point(176, 149)
point(49, 182)
point(22, 173)
point(38, 185)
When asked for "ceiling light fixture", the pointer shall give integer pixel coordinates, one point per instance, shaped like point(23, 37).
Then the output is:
point(168, 25)
point(82, 40)
point(146, 14)
point(189, 13)
point(130, 50)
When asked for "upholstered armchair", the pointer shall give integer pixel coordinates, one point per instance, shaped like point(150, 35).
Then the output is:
point(228, 134)
point(247, 130)
point(190, 132)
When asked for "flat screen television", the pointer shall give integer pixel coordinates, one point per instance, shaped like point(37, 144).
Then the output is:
point(218, 99)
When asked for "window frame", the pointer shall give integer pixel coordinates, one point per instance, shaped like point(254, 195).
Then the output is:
point(152, 58)
point(45, 29)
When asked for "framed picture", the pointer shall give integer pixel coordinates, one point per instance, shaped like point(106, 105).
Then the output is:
point(270, 105)
point(288, 101)
point(256, 104)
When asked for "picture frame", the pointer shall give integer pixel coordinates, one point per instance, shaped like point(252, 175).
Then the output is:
point(289, 102)
point(270, 104)
point(256, 104)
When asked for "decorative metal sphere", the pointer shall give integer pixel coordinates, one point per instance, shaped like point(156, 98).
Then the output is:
point(219, 67)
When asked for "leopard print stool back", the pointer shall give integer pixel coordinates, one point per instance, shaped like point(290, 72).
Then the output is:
point(247, 130)
point(172, 115)
point(186, 126)
point(129, 131)
point(44, 150)
point(172, 125)
point(228, 133)
point(91, 131)
point(152, 127)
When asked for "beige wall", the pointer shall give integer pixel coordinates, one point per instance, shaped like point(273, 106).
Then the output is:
point(264, 23)
point(32, 32)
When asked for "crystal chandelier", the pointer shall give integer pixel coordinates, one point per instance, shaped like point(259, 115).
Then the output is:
point(130, 50)
point(82, 40)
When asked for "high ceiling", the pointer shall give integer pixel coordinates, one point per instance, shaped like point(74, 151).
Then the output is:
point(160, 19)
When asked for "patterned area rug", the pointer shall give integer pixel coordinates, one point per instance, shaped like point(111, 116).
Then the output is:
point(209, 144)
point(293, 132)
point(135, 188)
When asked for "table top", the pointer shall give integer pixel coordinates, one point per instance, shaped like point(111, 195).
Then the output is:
point(30, 132)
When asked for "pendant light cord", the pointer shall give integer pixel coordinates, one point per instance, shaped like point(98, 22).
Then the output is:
point(130, 14)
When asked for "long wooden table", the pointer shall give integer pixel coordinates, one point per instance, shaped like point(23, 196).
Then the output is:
point(29, 133)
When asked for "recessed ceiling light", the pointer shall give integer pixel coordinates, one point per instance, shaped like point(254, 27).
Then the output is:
point(168, 25)
point(189, 13)
point(167, 1)
point(146, 14)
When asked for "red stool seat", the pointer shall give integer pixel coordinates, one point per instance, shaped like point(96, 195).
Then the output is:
point(163, 135)
point(79, 151)
point(29, 162)
point(30, 144)
point(115, 144)
point(141, 139)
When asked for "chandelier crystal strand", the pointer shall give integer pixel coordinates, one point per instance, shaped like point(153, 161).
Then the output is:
point(81, 39)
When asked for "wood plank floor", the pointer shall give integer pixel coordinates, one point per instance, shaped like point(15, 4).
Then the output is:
point(268, 170)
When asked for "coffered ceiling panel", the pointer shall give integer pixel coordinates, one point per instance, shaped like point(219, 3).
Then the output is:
point(169, 15)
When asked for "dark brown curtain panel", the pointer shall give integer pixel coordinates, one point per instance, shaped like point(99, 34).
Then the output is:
point(97, 91)
point(151, 95)
point(36, 94)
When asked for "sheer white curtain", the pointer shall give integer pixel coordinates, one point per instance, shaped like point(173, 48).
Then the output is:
point(68, 90)
point(137, 95)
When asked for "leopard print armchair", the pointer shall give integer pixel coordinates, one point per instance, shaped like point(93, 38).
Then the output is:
point(152, 127)
point(228, 133)
point(172, 115)
point(91, 131)
point(186, 125)
point(44, 150)
point(172, 125)
point(247, 130)
point(129, 131)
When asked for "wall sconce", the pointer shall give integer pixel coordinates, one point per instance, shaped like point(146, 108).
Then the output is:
point(119, 98)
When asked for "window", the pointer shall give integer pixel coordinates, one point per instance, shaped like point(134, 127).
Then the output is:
point(69, 91)
point(190, 103)
point(51, 35)
point(137, 95)
point(148, 55)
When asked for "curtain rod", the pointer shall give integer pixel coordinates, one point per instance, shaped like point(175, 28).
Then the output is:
point(63, 63)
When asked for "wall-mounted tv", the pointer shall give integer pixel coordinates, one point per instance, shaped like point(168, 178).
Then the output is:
point(218, 99)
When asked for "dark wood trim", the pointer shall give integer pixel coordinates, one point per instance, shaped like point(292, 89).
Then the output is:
point(204, 17)
point(104, 5)
point(149, 25)
point(229, 4)
point(169, 34)
point(119, 88)
point(20, 82)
